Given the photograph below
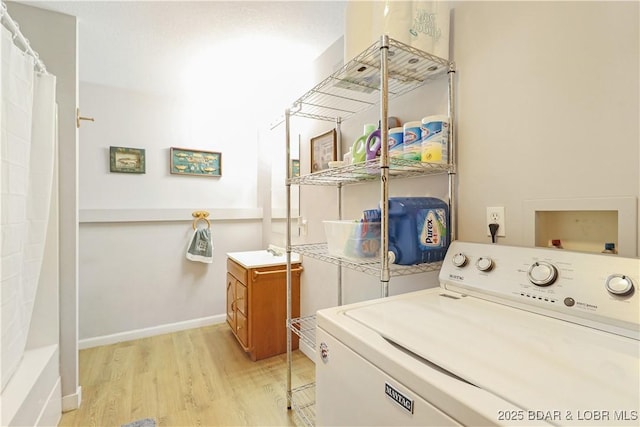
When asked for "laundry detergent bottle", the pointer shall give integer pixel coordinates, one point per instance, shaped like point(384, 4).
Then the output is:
point(359, 147)
point(418, 229)
point(372, 146)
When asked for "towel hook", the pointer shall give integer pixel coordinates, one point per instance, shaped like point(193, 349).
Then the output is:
point(200, 216)
point(79, 117)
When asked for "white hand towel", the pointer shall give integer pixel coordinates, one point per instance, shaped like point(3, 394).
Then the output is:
point(201, 246)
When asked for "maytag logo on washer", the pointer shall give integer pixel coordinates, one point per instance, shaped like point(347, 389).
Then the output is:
point(398, 397)
point(456, 277)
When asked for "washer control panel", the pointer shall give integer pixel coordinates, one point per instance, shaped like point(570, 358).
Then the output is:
point(591, 289)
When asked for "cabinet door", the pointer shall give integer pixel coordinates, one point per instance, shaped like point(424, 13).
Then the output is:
point(268, 309)
point(242, 330)
point(231, 301)
point(241, 298)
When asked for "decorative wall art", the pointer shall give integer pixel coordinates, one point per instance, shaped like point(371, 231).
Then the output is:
point(323, 150)
point(195, 162)
point(127, 160)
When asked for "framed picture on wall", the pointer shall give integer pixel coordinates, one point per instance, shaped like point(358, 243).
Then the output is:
point(126, 160)
point(323, 150)
point(185, 161)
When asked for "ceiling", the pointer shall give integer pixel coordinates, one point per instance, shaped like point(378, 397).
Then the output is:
point(147, 45)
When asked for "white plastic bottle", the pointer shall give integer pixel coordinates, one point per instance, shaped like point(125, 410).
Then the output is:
point(412, 140)
point(434, 139)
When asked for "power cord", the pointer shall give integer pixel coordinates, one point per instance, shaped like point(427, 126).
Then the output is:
point(493, 228)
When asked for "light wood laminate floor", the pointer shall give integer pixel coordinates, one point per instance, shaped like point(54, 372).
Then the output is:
point(198, 377)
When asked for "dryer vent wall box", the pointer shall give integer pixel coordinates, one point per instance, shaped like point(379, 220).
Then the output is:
point(583, 224)
point(520, 315)
point(585, 231)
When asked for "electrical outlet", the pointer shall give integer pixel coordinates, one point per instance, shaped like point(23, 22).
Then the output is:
point(495, 215)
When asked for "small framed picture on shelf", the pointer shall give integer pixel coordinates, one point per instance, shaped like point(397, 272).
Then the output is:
point(323, 150)
point(295, 168)
point(195, 162)
point(126, 160)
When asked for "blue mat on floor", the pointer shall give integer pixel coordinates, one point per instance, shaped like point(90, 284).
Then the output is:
point(147, 422)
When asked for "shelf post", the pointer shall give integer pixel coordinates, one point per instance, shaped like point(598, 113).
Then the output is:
point(339, 153)
point(453, 219)
point(384, 165)
point(288, 247)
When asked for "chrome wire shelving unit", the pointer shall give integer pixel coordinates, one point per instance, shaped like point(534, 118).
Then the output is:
point(385, 70)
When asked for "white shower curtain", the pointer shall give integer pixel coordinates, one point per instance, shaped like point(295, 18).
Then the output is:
point(28, 129)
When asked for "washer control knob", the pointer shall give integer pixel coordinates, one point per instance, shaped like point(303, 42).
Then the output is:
point(542, 273)
point(618, 284)
point(484, 264)
point(459, 259)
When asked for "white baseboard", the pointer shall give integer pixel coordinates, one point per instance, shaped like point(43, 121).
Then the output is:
point(149, 332)
point(72, 402)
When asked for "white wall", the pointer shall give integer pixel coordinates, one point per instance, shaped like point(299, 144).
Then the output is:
point(547, 107)
point(134, 277)
point(126, 118)
point(136, 281)
point(54, 36)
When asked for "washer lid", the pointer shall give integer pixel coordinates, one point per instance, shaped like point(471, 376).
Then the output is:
point(535, 362)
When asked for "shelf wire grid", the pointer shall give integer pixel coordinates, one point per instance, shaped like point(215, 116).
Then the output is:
point(356, 86)
point(305, 328)
point(303, 402)
point(369, 171)
point(365, 265)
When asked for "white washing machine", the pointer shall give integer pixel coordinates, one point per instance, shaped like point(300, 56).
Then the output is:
point(513, 336)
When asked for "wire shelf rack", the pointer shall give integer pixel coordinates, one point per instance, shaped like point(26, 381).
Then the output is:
point(305, 328)
point(369, 171)
point(356, 86)
point(369, 266)
point(303, 402)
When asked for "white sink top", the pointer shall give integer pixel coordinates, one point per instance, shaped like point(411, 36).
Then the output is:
point(253, 259)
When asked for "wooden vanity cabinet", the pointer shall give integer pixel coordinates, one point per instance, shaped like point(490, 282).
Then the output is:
point(257, 307)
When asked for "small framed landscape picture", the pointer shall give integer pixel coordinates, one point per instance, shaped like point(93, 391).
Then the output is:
point(126, 160)
point(195, 162)
point(323, 150)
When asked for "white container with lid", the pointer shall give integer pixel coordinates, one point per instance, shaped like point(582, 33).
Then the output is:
point(435, 139)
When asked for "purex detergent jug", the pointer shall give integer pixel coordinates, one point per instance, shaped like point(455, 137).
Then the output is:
point(418, 229)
